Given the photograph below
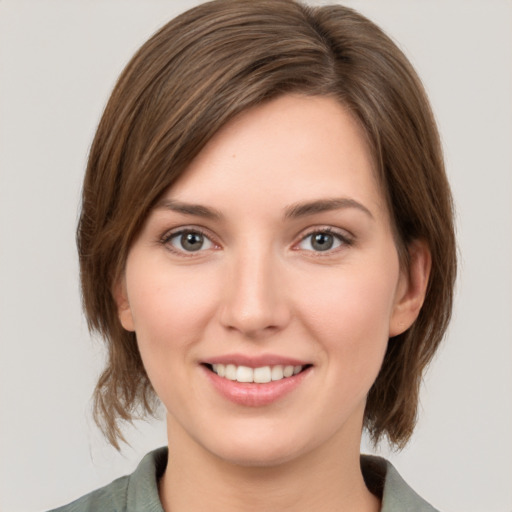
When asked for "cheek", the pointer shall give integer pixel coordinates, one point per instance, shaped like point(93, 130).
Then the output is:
point(352, 328)
point(349, 310)
point(169, 308)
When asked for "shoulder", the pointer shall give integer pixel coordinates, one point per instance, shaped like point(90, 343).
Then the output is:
point(111, 498)
point(138, 491)
point(383, 480)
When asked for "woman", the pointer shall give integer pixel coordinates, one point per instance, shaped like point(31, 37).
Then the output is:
point(266, 244)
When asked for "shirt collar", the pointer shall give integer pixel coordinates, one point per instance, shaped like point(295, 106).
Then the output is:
point(380, 476)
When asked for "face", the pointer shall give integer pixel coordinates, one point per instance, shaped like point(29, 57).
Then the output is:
point(265, 284)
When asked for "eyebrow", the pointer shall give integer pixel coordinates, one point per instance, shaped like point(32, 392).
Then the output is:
point(292, 212)
point(324, 205)
point(197, 210)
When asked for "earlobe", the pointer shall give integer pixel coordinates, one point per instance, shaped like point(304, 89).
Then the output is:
point(124, 311)
point(411, 289)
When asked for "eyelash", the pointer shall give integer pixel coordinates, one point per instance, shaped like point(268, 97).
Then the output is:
point(170, 235)
point(343, 239)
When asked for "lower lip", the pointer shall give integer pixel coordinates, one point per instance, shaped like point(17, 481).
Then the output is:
point(252, 394)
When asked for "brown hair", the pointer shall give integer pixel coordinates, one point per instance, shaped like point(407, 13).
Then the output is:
point(187, 81)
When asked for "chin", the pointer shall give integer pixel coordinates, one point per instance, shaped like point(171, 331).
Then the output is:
point(259, 457)
point(252, 449)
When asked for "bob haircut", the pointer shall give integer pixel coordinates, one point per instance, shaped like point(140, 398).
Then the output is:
point(186, 82)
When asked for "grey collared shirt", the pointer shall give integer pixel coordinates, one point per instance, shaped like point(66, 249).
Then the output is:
point(138, 492)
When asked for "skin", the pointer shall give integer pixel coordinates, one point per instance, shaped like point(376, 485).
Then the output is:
point(259, 286)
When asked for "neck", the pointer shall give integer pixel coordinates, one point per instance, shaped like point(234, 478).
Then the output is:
point(328, 479)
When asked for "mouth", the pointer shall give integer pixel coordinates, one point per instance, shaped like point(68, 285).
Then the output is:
point(256, 380)
point(258, 375)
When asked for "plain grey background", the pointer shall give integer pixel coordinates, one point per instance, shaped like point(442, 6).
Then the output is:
point(58, 63)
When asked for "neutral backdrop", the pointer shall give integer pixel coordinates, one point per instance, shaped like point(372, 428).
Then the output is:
point(58, 62)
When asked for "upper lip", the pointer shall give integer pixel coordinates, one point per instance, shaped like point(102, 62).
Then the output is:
point(255, 361)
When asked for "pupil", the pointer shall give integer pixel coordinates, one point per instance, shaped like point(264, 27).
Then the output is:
point(322, 241)
point(192, 241)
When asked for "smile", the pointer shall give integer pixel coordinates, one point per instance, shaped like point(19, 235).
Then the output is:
point(260, 375)
point(253, 383)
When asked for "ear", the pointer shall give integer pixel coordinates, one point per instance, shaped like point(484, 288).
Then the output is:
point(411, 288)
point(124, 311)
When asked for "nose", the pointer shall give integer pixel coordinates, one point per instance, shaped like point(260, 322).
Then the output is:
point(255, 300)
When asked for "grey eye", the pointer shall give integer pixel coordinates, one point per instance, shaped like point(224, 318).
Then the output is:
point(190, 241)
point(320, 241)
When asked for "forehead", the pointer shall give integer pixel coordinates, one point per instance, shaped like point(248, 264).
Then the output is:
point(294, 148)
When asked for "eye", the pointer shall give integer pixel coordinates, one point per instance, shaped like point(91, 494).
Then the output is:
point(321, 241)
point(189, 241)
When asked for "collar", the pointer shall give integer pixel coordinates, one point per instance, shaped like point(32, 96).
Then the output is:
point(380, 476)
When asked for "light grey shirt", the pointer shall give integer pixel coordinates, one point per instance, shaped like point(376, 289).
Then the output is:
point(138, 492)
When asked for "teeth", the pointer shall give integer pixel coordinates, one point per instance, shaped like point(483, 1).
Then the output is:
point(244, 374)
point(263, 374)
point(277, 373)
point(260, 375)
point(230, 372)
point(288, 371)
